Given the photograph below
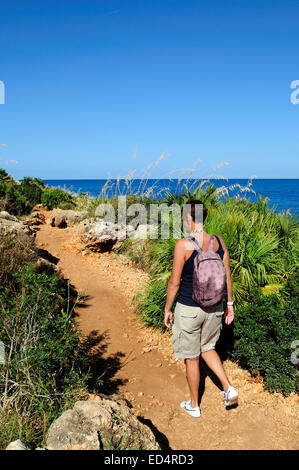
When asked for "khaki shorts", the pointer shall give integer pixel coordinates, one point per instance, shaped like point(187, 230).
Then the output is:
point(195, 330)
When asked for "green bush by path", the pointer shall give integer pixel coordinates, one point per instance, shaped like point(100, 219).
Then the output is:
point(15, 252)
point(12, 198)
point(18, 198)
point(45, 369)
point(32, 189)
point(54, 197)
point(151, 301)
point(265, 329)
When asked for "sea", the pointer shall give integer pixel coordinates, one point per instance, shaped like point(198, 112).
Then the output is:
point(282, 194)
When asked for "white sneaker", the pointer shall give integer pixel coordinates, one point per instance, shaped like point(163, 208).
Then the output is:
point(195, 412)
point(231, 396)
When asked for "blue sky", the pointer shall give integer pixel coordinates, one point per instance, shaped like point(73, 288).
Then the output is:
point(88, 83)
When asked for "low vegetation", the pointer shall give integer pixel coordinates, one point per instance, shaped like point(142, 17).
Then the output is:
point(44, 368)
point(19, 198)
point(54, 197)
point(267, 332)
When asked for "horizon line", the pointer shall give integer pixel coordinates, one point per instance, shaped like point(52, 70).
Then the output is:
point(162, 179)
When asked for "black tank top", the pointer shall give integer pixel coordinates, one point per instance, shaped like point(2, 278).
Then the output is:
point(186, 286)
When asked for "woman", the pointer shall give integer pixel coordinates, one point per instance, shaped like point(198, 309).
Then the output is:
point(196, 329)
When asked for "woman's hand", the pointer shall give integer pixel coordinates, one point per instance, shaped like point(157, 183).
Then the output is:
point(168, 318)
point(229, 314)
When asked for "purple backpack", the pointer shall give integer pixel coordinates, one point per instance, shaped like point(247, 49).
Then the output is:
point(209, 276)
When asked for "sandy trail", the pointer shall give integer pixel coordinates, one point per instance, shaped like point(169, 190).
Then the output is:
point(140, 364)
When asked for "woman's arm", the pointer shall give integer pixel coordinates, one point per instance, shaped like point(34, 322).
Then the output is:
point(175, 279)
point(229, 311)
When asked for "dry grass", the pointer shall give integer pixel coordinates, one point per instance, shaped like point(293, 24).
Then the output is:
point(186, 182)
point(15, 252)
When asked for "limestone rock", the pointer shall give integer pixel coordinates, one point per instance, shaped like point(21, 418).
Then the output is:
point(19, 445)
point(64, 218)
point(36, 218)
point(5, 215)
point(9, 224)
point(99, 235)
point(145, 231)
point(45, 266)
point(100, 425)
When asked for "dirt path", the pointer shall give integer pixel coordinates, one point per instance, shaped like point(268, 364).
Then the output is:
point(142, 367)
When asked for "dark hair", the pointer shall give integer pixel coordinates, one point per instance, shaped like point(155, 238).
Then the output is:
point(192, 203)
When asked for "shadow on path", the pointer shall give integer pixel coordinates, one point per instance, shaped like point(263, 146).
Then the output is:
point(160, 437)
point(102, 368)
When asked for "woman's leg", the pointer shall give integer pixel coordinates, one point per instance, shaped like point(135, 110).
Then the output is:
point(213, 361)
point(192, 374)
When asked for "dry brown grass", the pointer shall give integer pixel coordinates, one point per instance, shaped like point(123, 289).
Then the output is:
point(186, 182)
point(15, 252)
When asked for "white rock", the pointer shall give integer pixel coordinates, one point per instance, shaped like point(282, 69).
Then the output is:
point(19, 445)
point(96, 425)
point(7, 216)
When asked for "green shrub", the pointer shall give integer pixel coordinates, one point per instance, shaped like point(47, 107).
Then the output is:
point(54, 197)
point(265, 329)
point(19, 198)
point(161, 256)
point(32, 189)
point(45, 369)
point(208, 195)
point(5, 177)
point(12, 198)
point(150, 302)
point(81, 201)
point(15, 252)
point(138, 251)
point(17, 204)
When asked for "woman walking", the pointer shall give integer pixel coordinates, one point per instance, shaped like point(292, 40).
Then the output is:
point(196, 329)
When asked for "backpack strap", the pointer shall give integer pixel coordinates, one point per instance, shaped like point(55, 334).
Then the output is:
point(211, 242)
point(220, 244)
point(195, 243)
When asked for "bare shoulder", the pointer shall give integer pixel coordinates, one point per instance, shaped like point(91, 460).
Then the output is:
point(184, 244)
